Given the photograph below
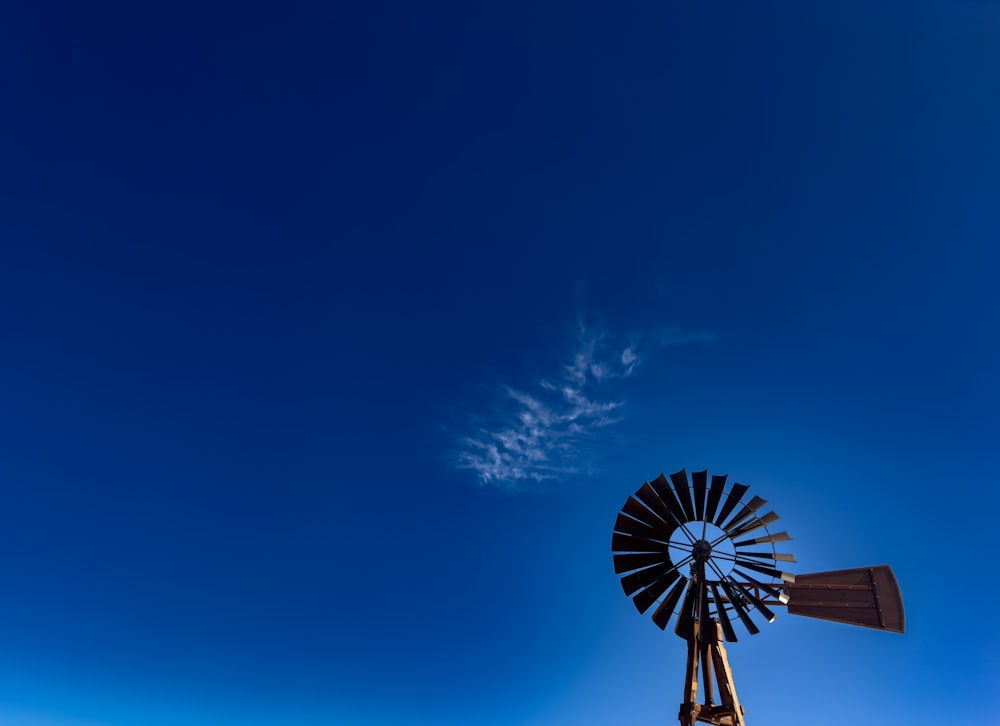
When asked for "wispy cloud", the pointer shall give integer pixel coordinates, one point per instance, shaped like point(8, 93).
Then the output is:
point(547, 429)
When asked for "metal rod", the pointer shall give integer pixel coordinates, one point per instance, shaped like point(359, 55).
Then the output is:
point(878, 603)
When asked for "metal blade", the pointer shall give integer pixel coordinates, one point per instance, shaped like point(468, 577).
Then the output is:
point(627, 563)
point(661, 616)
point(631, 526)
point(685, 617)
point(761, 607)
point(720, 609)
point(625, 543)
point(648, 596)
point(770, 556)
point(648, 496)
point(637, 511)
point(771, 591)
point(779, 537)
point(731, 500)
point(644, 578)
point(699, 480)
point(714, 494)
point(784, 576)
point(740, 610)
point(661, 487)
point(754, 524)
point(745, 511)
point(680, 481)
point(706, 632)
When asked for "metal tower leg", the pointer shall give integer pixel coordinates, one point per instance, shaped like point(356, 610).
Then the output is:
point(727, 689)
point(712, 657)
point(688, 715)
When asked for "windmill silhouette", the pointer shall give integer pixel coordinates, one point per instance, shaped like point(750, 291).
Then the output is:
point(698, 550)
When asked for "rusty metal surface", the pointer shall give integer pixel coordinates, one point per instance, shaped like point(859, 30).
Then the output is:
point(741, 611)
point(625, 543)
point(781, 556)
point(648, 596)
point(755, 524)
point(750, 595)
point(637, 511)
point(651, 499)
point(733, 524)
point(627, 563)
point(685, 617)
point(661, 487)
point(661, 615)
point(680, 481)
point(644, 578)
point(865, 596)
point(779, 537)
point(714, 494)
point(706, 629)
point(699, 481)
point(765, 570)
point(730, 502)
point(720, 607)
point(760, 587)
point(627, 525)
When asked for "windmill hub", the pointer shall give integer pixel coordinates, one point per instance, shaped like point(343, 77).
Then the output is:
point(702, 550)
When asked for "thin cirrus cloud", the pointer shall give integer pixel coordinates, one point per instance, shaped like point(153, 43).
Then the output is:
point(548, 429)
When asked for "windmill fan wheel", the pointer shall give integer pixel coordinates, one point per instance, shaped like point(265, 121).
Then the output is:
point(699, 550)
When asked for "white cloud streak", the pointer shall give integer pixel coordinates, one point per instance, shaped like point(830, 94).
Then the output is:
point(548, 429)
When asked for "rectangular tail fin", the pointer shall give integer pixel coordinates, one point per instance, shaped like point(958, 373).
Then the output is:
point(866, 596)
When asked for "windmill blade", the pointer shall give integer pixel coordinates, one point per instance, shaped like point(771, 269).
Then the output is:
point(685, 618)
point(662, 489)
point(767, 589)
point(779, 537)
point(625, 543)
point(637, 511)
point(730, 502)
point(627, 525)
point(699, 480)
point(866, 596)
point(680, 481)
point(781, 556)
point(740, 610)
point(648, 496)
point(706, 633)
point(755, 524)
point(755, 504)
point(714, 494)
point(784, 576)
point(644, 578)
point(720, 609)
point(661, 616)
point(627, 563)
point(652, 593)
point(757, 603)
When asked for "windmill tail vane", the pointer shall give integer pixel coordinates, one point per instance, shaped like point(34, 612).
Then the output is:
point(698, 549)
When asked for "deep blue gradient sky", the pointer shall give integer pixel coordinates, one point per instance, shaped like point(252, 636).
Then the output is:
point(332, 340)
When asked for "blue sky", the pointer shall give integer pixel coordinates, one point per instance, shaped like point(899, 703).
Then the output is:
point(332, 340)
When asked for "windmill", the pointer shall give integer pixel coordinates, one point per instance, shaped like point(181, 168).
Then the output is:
point(699, 550)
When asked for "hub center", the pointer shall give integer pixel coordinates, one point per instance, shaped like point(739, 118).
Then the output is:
point(702, 550)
